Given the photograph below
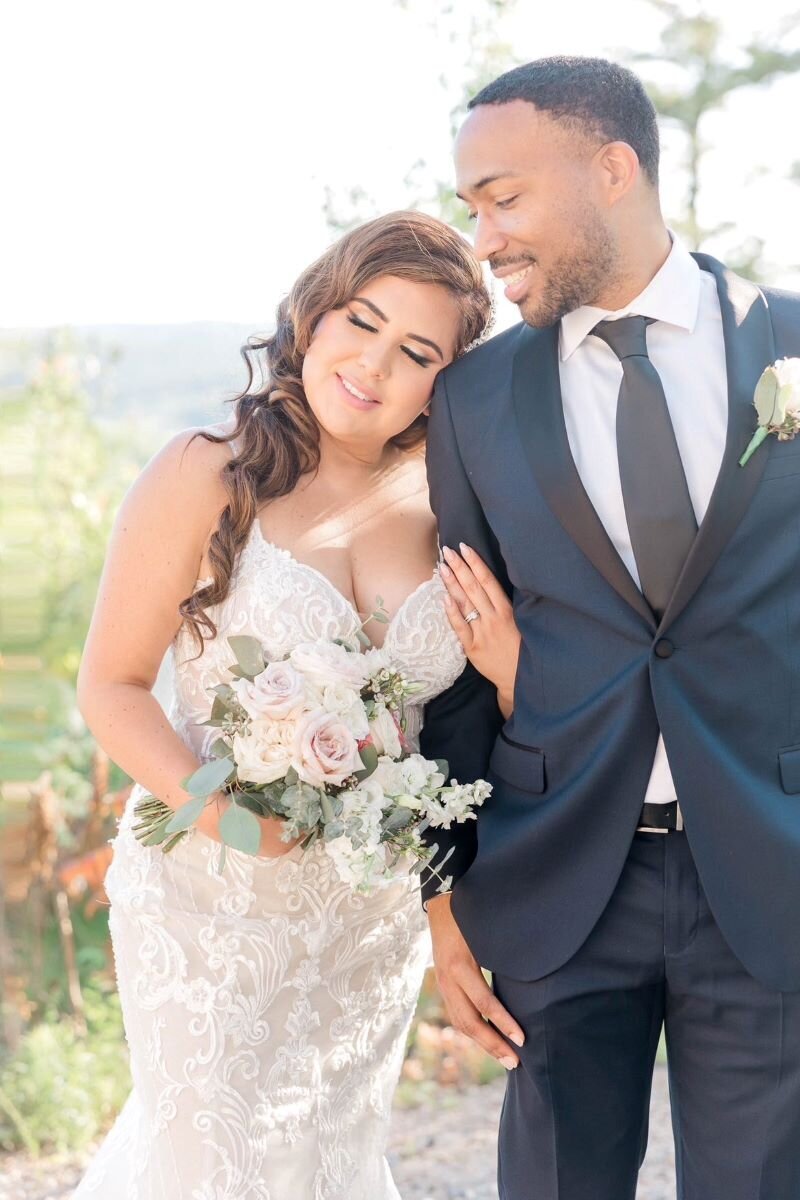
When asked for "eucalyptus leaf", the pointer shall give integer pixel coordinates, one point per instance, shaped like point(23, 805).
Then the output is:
point(249, 654)
point(240, 829)
point(220, 748)
point(442, 766)
point(186, 815)
point(219, 709)
point(326, 806)
point(369, 757)
point(363, 639)
point(398, 818)
point(254, 802)
point(291, 777)
point(209, 777)
point(381, 618)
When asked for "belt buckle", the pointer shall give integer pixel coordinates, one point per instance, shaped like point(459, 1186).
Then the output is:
point(653, 829)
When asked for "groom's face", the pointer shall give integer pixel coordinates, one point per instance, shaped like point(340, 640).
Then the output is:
point(535, 191)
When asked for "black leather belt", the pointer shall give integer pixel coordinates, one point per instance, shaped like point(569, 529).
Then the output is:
point(660, 818)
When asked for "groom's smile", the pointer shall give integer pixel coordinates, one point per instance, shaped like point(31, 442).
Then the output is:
point(542, 196)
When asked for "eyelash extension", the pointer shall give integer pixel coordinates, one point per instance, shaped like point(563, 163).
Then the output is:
point(417, 358)
point(354, 320)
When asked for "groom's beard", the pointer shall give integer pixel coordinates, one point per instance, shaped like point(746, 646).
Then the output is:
point(575, 278)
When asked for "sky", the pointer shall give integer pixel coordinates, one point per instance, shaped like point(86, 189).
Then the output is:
point(169, 161)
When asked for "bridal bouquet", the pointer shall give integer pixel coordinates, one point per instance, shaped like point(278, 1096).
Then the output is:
point(317, 739)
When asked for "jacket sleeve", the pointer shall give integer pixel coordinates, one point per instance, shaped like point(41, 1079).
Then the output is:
point(462, 723)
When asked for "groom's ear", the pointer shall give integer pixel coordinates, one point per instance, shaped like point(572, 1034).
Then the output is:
point(426, 412)
point(620, 170)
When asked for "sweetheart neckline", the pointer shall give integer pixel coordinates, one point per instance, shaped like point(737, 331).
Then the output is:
point(304, 566)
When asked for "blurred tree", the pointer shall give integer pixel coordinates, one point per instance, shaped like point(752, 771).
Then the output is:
point(696, 48)
point(476, 31)
point(64, 475)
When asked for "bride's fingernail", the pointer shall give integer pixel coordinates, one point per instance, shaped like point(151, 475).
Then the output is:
point(445, 570)
point(509, 1063)
point(517, 1038)
point(465, 549)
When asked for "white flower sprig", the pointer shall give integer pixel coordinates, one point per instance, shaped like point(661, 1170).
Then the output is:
point(777, 402)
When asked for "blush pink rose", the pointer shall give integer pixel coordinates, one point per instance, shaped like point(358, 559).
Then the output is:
point(276, 692)
point(324, 750)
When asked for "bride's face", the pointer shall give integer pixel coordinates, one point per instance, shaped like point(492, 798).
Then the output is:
point(369, 370)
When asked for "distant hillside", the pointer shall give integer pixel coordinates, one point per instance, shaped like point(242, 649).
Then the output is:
point(166, 376)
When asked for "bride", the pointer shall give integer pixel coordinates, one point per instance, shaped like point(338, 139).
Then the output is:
point(266, 1008)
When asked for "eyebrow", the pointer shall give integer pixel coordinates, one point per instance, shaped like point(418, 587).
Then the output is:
point(487, 179)
point(415, 337)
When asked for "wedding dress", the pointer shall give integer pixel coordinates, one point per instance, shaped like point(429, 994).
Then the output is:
point(266, 1008)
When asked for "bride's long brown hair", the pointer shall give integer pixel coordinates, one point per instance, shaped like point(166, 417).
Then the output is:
point(275, 436)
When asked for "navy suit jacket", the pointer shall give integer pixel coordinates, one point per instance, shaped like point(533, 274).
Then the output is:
point(599, 676)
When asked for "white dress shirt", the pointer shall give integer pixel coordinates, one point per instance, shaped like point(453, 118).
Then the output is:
point(687, 349)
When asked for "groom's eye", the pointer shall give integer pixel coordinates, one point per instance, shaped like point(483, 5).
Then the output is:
point(507, 202)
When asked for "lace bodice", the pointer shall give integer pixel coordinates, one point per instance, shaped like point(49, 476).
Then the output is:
point(266, 1007)
point(283, 602)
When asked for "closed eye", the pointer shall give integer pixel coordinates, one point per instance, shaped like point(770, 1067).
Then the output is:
point(507, 202)
point(419, 359)
point(354, 320)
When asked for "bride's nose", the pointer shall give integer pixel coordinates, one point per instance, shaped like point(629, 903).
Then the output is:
point(374, 362)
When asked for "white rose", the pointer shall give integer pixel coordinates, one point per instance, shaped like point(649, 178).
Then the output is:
point(326, 663)
point(418, 773)
point(385, 734)
point(264, 753)
point(347, 703)
point(788, 372)
point(324, 749)
point(390, 776)
point(777, 394)
point(276, 692)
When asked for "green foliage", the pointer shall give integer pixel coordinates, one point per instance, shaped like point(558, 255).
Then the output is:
point(64, 476)
point(705, 71)
point(61, 1090)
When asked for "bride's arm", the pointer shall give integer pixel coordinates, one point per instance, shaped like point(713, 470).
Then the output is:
point(152, 563)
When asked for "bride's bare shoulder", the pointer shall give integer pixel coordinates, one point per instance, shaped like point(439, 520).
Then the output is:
point(183, 480)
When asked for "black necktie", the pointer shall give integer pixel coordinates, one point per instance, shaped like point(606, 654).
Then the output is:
point(658, 507)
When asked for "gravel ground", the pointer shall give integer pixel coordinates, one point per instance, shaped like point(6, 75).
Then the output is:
point(460, 1128)
point(452, 1128)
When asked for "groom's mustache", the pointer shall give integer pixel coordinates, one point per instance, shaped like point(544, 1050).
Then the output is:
point(501, 264)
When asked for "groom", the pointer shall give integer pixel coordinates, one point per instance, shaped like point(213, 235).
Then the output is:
point(638, 864)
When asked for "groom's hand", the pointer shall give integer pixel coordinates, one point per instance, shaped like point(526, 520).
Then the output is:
point(472, 1007)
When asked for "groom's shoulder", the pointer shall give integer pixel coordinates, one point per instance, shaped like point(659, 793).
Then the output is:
point(472, 369)
point(782, 297)
point(784, 309)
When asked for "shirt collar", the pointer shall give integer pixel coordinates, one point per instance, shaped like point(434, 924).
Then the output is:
point(672, 295)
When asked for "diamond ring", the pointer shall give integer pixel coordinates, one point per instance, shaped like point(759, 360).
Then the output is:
point(472, 616)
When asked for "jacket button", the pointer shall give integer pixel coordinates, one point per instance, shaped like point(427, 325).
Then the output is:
point(664, 648)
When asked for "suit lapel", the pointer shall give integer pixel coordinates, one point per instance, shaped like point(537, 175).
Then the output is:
point(749, 348)
point(540, 415)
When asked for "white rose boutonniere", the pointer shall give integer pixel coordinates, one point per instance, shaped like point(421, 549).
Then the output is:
point(777, 402)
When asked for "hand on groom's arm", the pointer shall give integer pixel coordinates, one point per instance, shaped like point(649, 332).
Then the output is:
point(472, 1007)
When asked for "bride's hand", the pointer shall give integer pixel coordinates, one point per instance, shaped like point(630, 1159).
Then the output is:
point(491, 639)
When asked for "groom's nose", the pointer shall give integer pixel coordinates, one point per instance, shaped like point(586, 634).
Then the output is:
point(489, 241)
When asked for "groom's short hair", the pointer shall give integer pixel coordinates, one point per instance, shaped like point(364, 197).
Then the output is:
point(599, 96)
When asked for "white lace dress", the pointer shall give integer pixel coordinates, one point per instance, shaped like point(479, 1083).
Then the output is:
point(266, 1009)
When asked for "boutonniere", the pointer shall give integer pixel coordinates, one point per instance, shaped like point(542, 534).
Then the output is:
point(777, 401)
